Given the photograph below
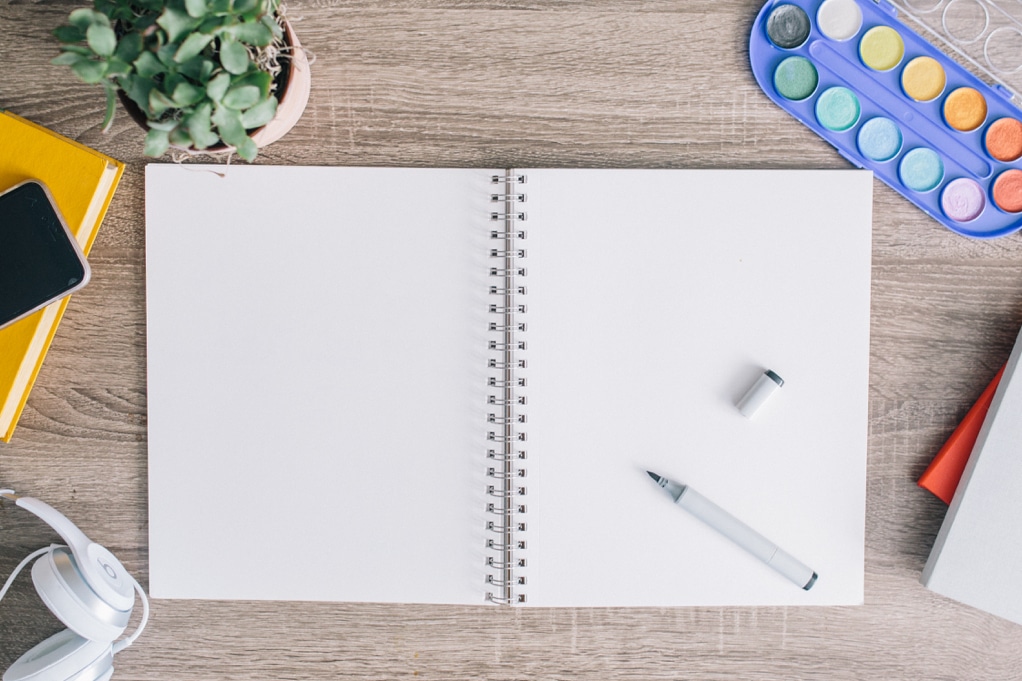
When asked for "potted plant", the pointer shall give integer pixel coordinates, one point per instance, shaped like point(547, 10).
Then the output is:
point(201, 75)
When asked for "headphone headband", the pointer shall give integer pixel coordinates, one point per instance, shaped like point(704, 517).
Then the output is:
point(88, 590)
point(101, 570)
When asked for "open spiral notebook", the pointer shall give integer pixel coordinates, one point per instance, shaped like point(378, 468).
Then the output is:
point(446, 385)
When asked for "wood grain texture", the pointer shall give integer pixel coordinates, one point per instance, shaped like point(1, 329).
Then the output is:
point(616, 83)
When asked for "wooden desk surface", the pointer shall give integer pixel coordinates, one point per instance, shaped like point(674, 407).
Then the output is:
point(618, 83)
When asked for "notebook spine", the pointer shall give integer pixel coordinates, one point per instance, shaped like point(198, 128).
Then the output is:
point(506, 436)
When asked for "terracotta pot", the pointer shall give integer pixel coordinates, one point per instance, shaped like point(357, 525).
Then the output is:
point(295, 86)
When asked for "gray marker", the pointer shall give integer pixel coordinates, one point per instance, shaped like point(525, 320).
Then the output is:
point(738, 532)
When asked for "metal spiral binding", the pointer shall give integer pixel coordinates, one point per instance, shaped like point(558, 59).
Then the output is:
point(506, 510)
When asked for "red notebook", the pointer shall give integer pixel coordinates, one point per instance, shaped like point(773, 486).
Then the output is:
point(942, 475)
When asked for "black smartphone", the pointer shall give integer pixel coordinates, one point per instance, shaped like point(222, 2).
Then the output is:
point(40, 260)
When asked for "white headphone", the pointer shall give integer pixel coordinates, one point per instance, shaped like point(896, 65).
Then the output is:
point(88, 590)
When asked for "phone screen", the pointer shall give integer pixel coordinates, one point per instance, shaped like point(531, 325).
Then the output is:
point(39, 262)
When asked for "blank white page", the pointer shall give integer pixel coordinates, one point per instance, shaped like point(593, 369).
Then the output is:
point(316, 368)
point(655, 298)
point(317, 382)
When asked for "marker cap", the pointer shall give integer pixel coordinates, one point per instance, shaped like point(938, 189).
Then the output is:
point(765, 386)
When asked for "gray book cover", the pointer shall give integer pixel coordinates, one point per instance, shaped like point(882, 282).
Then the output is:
point(977, 557)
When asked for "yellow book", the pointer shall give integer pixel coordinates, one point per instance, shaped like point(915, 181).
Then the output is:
point(82, 182)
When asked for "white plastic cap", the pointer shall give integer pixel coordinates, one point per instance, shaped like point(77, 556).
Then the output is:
point(765, 386)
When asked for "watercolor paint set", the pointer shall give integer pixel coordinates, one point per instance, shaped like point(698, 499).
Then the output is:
point(945, 133)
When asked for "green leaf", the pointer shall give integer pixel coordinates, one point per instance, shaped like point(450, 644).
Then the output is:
point(200, 126)
point(170, 83)
point(163, 125)
point(191, 47)
point(274, 27)
point(186, 94)
point(159, 103)
point(69, 34)
point(81, 18)
point(176, 23)
point(242, 97)
point(156, 142)
point(166, 55)
point(137, 88)
point(78, 49)
point(199, 69)
point(234, 56)
point(101, 39)
point(246, 6)
point(253, 33)
point(117, 67)
point(260, 114)
point(217, 88)
point(196, 8)
point(117, 11)
point(211, 24)
point(148, 66)
point(179, 136)
point(119, 14)
point(145, 22)
point(84, 18)
point(111, 105)
point(90, 71)
point(229, 125)
point(67, 59)
point(129, 47)
point(261, 79)
point(247, 149)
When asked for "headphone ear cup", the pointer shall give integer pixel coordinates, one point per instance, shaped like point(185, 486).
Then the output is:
point(63, 656)
point(62, 588)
